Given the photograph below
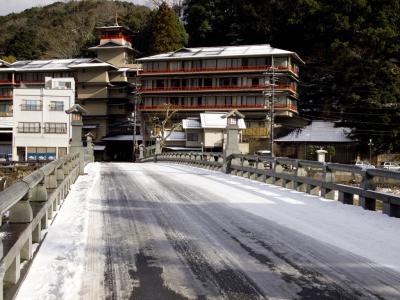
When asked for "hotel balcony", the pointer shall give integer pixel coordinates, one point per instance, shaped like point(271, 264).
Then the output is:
point(277, 107)
point(7, 82)
point(216, 70)
point(209, 89)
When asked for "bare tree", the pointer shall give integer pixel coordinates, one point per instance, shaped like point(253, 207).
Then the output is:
point(166, 125)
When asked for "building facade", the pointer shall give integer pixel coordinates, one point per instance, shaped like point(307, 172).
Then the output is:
point(41, 128)
point(247, 78)
point(105, 87)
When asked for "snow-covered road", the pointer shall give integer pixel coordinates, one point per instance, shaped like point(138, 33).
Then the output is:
point(166, 231)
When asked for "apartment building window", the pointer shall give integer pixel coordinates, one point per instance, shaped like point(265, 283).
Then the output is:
point(31, 105)
point(160, 83)
point(55, 127)
point(207, 82)
point(255, 81)
point(192, 137)
point(56, 106)
point(29, 127)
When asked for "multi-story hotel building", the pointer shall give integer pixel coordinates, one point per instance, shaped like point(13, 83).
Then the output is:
point(41, 127)
point(105, 87)
point(195, 80)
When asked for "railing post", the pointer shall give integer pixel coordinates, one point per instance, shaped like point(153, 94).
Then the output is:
point(21, 212)
point(367, 183)
point(300, 172)
point(329, 177)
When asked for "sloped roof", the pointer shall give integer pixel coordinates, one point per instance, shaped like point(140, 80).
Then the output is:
point(176, 136)
point(216, 120)
point(57, 64)
point(318, 131)
point(191, 124)
point(223, 51)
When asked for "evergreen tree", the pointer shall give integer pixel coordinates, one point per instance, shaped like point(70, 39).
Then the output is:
point(167, 33)
point(351, 49)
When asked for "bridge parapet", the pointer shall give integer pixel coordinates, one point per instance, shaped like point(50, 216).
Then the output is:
point(26, 208)
point(348, 184)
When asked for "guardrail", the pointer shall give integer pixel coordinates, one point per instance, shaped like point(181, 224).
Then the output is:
point(26, 207)
point(311, 177)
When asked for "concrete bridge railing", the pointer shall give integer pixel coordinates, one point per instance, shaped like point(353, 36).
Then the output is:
point(26, 207)
point(322, 179)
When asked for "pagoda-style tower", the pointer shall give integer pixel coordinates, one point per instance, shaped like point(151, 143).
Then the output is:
point(115, 45)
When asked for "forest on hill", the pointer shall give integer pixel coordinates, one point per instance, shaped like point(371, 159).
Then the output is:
point(351, 47)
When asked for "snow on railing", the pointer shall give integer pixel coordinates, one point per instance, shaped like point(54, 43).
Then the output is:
point(26, 207)
point(312, 177)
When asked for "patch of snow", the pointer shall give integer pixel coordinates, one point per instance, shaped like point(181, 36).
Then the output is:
point(57, 269)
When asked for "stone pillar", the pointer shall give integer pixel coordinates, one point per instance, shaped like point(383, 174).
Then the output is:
point(232, 138)
point(321, 155)
point(76, 145)
point(141, 151)
point(89, 146)
point(158, 146)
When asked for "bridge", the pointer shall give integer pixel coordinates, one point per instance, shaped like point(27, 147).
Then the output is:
point(176, 227)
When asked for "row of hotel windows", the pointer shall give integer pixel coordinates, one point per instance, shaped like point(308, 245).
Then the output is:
point(35, 127)
point(36, 76)
point(216, 63)
point(36, 105)
point(217, 100)
point(210, 81)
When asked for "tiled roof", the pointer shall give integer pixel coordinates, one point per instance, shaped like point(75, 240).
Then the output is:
point(215, 120)
point(224, 51)
point(191, 124)
point(318, 131)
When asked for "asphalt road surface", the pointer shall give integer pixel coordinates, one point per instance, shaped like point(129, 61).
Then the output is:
point(165, 231)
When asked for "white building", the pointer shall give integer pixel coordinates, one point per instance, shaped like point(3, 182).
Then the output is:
point(41, 128)
point(208, 132)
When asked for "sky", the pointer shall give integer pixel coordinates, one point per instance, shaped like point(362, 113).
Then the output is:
point(10, 6)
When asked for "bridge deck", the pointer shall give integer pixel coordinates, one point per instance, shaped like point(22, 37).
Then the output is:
point(165, 231)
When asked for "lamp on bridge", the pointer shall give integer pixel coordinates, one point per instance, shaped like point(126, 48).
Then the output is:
point(76, 112)
point(232, 136)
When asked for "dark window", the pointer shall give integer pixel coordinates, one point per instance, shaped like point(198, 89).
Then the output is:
point(192, 137)
point(160, 83)
point(255, 81)
point(29, 127)
point(207, 82)
point(175, 83)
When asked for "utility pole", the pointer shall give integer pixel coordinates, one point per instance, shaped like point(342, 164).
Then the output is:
point(134, 114)
point(271, 105)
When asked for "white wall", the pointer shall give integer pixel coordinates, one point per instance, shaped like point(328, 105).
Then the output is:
point(67, 96)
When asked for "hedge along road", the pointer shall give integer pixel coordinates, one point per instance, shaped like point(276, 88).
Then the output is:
point(165, 231)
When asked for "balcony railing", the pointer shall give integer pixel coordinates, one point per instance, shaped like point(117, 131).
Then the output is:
point(6, 82)
point(220, 69)
point(219, 106)
point(6, 114)
point(6, 97)
point(279, 87)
